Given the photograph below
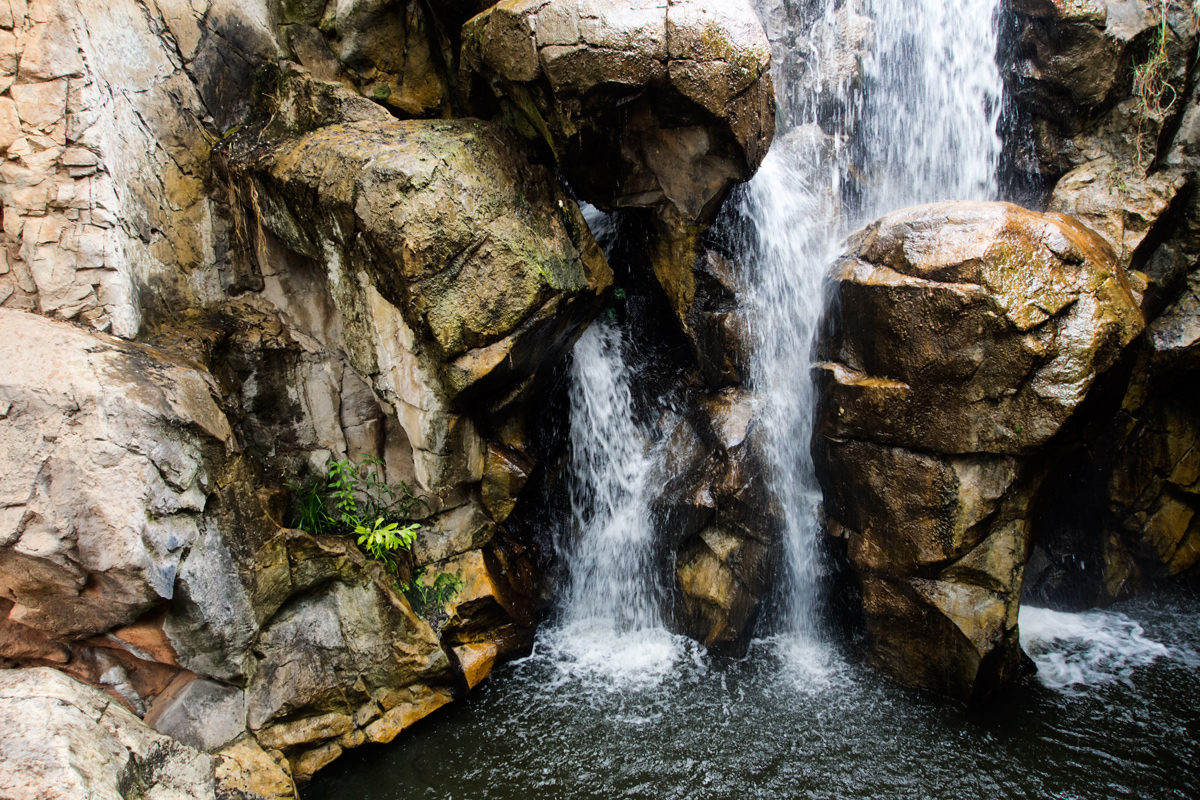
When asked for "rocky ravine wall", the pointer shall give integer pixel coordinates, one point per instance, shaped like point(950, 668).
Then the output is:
point(217, 277)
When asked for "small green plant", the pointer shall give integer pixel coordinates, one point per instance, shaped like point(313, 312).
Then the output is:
point(354, 500)
point(381, 541)
point(310, 510)
point(429, 601)
point(1153, 93)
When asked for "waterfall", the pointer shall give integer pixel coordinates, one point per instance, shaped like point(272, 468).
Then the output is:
point(611, 580)
point(610, 626)
point(882, 104)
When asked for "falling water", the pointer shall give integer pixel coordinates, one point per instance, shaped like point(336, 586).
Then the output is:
point(888, 107)
point(610, 618)
point(611, 548)
point(891, 106)
point(911, 119)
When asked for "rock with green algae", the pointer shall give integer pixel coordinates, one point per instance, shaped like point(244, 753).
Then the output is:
point(967, 335)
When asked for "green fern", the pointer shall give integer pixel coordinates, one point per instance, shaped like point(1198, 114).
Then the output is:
point(355, 500)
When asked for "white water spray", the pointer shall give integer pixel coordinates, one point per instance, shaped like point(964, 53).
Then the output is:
point(896, 103)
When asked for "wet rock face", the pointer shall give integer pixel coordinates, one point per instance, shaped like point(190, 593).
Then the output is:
point(1120, 153)
point(970, 327)
point(718, 518)
point(390, 52)
point(651, 103)
point(966, 336)
point(1069, 67)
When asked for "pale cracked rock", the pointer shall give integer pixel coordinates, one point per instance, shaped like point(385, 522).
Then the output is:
point(61, 739)
point(690, 79)
point(108, 450)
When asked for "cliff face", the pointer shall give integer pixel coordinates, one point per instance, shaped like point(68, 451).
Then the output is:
point(244, 242)
point(1120, 153)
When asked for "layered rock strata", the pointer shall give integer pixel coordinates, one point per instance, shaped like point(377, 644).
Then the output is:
point(311, 279)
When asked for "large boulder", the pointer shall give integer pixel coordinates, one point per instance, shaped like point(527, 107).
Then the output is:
point(643, 104)
point(61, 739)
point(965, 336)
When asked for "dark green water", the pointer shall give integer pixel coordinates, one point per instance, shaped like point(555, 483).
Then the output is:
point(592, 717)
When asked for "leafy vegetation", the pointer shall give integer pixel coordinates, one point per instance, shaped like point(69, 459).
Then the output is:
point(429, 600)
point(354, 500)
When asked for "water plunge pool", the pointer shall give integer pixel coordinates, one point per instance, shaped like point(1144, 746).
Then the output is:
point(1114, 713)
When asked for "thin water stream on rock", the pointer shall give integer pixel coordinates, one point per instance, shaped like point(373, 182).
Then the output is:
point(890, 107)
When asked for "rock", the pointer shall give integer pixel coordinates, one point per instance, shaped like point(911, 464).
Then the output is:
point(107, 217)
point(244, 771)
point(390, 51)
point(690, 78)
point(476, 661)
point(969, 334)
point(434, 316)
point(1067, 69)
point(1154, 483)
point(61, 739)
point(486, 608)
point(337, 625)
point(202, 714)
point(989, 324)
point(111, 449)
point(716, 514)
point(1123, 209)
point(402, 711)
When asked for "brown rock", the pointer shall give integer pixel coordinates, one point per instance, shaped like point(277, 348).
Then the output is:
point(111, 448)
point(989, 324)
point(244, 770)
point(969, 334)
point(476, 661)
point(420, 703)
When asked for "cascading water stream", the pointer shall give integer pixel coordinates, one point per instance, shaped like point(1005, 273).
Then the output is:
point(610, 624)
point(611, 551)
point(911, 119)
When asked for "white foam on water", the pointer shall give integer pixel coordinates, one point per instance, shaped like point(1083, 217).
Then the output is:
point(596, 652)
point(807, 662)
point(1085, 649)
